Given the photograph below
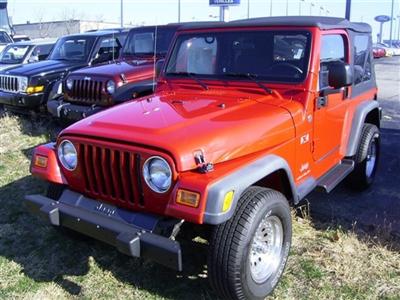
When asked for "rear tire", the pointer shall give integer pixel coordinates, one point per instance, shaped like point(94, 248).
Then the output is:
point(366, 159)
point(248, 253)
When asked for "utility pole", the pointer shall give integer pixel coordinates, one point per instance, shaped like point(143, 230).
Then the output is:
point(179, 11)
point(391, 25)
point(122, 13)
point(348, 9)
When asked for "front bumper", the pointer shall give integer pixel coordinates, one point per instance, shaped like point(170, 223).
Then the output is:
point(131, 233)
point(73, 112)
point(21, 100)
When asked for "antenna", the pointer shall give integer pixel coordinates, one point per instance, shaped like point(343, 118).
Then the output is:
point(155, 58)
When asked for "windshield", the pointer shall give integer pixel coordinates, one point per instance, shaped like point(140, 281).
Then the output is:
point(14, 54)
point(73, 48)
point(141, 41)
point(5, 38)
point(269, 55)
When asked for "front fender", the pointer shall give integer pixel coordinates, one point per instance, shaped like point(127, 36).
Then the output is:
point(239, 181)
point(133, 90)
point(51, 172)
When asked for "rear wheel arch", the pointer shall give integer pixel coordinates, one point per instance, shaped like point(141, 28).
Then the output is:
point(366, 112)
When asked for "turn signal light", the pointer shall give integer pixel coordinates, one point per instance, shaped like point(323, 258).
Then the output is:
point(188, 198)
point(227, 201)
point(35, 89)
point(41, 161)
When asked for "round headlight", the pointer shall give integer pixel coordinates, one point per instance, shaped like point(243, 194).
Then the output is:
point(67, 155)
point(110, 87)
point(69, 83)
point(157, 174)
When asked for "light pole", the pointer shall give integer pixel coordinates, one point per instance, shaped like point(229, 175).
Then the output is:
point(300, 6)
point(122, 13)
point(398, 28)
point(348, 9)
point(327, 12)
point(179, 11)
point(321, 9)
point(248, 9)
point(270, 8)
point(391, 24)
point(287, 7)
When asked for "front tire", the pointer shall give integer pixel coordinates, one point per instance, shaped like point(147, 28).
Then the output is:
point(366, 159)
point(248, 253)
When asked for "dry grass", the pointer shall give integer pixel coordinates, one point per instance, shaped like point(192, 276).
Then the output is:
point(37, 262)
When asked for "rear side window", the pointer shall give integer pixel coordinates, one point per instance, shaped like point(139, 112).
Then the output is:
point(42, 51)
point(332, 51)
point(362, 59)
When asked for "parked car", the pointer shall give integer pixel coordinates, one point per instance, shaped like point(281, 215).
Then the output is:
point(378, 52)
point(90, 90)
point(25, 52)
point(5, 39)
point(29, 86)
point(20, 38)
point(248, 117)
point(388, 50)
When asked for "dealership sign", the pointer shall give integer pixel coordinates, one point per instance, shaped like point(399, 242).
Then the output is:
point(224, 2)
point(382, 18)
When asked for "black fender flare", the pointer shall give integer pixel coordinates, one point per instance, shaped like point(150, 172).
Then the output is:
point(127, 91)
point(239, 181)
point(360, 115)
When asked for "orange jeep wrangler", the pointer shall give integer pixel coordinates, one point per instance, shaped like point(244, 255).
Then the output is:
point(247, 119)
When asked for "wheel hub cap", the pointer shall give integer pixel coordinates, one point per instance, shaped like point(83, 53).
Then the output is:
point(266, 249)
point(371, 159)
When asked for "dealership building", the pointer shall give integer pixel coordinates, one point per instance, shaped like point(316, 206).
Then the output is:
point(56, 29)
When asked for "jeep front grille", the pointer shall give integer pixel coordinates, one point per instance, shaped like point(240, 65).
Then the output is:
point(112, 175)
point(10, 83)
point(87, 91)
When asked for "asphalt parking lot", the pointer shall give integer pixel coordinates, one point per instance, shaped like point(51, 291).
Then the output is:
point(377, 210)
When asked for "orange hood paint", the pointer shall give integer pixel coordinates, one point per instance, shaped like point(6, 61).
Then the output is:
point(224, 124)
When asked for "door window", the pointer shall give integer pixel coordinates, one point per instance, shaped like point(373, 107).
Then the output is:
point(332, 51)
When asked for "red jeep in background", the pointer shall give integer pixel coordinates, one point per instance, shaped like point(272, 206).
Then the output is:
point(247, 119)
point(90, 90)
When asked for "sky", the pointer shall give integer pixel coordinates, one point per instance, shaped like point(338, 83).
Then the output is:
point(137, 12)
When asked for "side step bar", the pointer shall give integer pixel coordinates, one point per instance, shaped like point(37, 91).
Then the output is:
point(331, 179)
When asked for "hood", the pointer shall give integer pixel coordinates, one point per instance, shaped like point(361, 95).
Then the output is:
point(225, 126)
point(7, 66)
point(114, 70)
point(44, 67)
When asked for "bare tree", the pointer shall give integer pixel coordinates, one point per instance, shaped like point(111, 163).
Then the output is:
point(70, 18)
point(44, 28)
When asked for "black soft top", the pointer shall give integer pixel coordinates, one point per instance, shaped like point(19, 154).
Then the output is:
point(323, 23)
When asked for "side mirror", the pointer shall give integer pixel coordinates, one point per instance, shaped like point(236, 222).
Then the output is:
point(33, 59)
point(159, 66)
point(340, 75)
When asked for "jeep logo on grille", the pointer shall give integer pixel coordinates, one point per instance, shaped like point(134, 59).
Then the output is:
point(87, 78)
point(104, 209)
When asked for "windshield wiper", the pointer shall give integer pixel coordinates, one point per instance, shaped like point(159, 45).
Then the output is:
point(252, 77)
point(190, 75)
